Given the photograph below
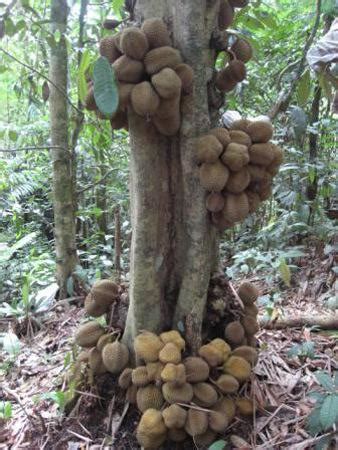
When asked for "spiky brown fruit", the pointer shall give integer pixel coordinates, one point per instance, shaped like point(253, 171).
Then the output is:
point(239, 3)
point(131, 394)
point(227, 384)
point(196, 369)
point(174, 337)
point(248, 292)
point(174, 416)
point(147, 346)
point(254, 200)
point(103, 340)
point(134, 43)
point(89, 102)
point(124, 380)
point(240, 137)
point(217, 421)
point(248, 353)
point(177, 394)
point(245, 406)
point(92, 308)
point(159, 58)
point(241, 125)
point(169, 108)
point(177, 434)
point(235, 156)
point(227, 406)
point(261, 154)
point(214, 202)
point(139, 376)
point(157, 32)
point(108, 49)
point(174, 373)
point(128, 70)
point(222, 135)
point(124, 95)
point(222, 346)
point(151, 431)
point(224, 81)
point(170, 354)
point(115, 356)
point(242, 50)
point(95, 362)
point(154, 370)
point(220, 221)
point(149, 397)
point(260, 131)
point(167, 83)
point(204, 394)
point(119, 120)
point(238, 181)
point(226, 15)
point(104, 291)
point(196, 423)
point(236, 207)
point(205, 439)
point(278, 159)
point(250, 325)
point(213, 177)
point(208, 149)
point(251, 310)
point(186, 75)
point(237, 367)
point(213, 356)
point(168, 126)
point(88, 334)
point(237, 70)
point(144, 99)
point(234, 332)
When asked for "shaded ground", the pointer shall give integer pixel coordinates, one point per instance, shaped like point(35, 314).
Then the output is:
point(99, 418)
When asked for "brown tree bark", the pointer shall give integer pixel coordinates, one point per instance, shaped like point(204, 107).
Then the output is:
point(174, 245)
point(325, 322)
point(64, 221)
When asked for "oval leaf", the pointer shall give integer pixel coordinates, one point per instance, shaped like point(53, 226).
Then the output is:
point(105, 87)
point(304, 88)
point(328, 411)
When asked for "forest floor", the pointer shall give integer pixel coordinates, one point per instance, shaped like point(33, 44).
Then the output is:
point(35, 382)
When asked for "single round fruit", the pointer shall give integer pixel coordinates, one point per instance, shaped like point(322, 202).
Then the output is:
point(234, 332)
point(157, 32)
point(88, 334)
point(149, 397)
point(177, 394)
point(227, 384)
point(196, 369)
point(238, 368)
point(147, 346)
point(134, 43)
point(115, 356)
point(174, 416)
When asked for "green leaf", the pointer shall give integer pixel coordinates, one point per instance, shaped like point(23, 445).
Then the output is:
point(11, 344)
point(285, 272)
point(117, 6)
point(105, 87)
point(5, 410)
point(304, 88)
point(323, 443)
point(313, 424)
point(324, 380)
point(218, 445)
point(85, 61)
point(328, 411)
point(82, 86)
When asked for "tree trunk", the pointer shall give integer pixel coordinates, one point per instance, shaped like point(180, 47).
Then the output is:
point(173, 247)
point(64, 223)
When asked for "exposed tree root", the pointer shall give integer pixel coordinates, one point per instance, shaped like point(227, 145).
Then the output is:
point(325, 322)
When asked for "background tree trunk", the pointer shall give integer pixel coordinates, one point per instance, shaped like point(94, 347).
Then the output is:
point(64, 221)
point(173, 243)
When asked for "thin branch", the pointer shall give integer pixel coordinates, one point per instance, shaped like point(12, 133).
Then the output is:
point(24, 149)
point(8, 9)
point(98, 181)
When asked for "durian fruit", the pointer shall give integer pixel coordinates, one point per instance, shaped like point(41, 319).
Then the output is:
point(151, 431)
point(157, 32)
point(241, 125)
point(245, 406)
point(251, 310)
point(169, 108)
point(242, 49)
point(128, 70)
point(115, 356)
point(213, 356)
point(154, 370)
point(161, 57)
point(131, 394)
point(92, 308)
point(149, 397)
point(196, 369)
point(174, 373)
point(167, 83)
point(208, 149)
point(174, 416)
point(196, 423)
point(250, 324)
point(236, 207)
point(177, 394)
point(104, 291)
point(226, 15)
point(205, 439)
point(204, 394)
point(227, 384)
point(237, 70)
point(224, 81)
point(220, 220)
point(253, 199)
point(108, 49)
point(235, 156)
point(186, 75)
point(174, 337)
point(247, 353)
point(124, 380)
point(222, 135)
point(221, 345)
point(177, 434)
point(237, 367)
point(144, 99)
point(261, 154)
point(239, 3)
point(168, 126)
point(147, 346)
point(234, 333)
point(238, 181)
point(214, 202)
point(119, 120)
point(95, 362)
point(278, 159)
point(227, 406)
point(213, 177)
point(248, 293)
point(240, 137)
point(134, 43)
point(139, 376)
point(260, 131)
point(90, 103)
point(217, 421)
point(88, 334)
point(170, 354)
point(124, 95)
point(103, 340)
